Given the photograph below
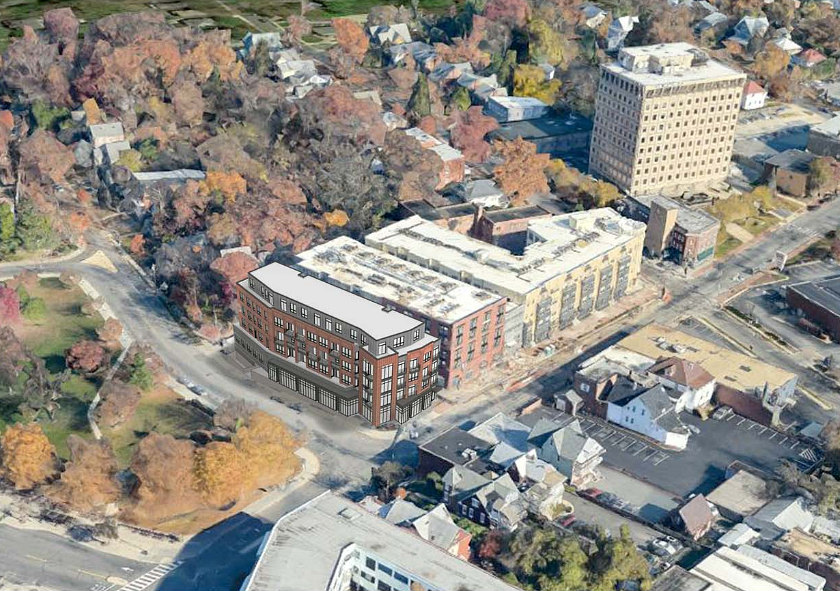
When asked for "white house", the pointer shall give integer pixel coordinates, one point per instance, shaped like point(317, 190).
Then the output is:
point(515, 108)
point(652, 414)
point(618, 31)
point(753, 97)
point(106, 133)
point(592, 15)
point(693, 384)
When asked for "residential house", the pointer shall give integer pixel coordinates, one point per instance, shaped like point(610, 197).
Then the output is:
point(492, 502)
point(515, 108)
point(500, 428)
point(106, 133)
point(715, 21)
point(482, 192)
point(790, 171)
point(453, 447)
point(695, 517)
point(454, 166)
point(831, 93)
point(780, 516)
point(807, 58)
point(395, 34)
point(694, 384)
point(542, 484)
point(646, 410)
point(424, 55)
point(435, 526)
point(618, 31)
point(753, 97)
point(786, 44)
point(273, 41)
point(592, 15)
point(445, 72)
point(569, 450)
point(748, 28)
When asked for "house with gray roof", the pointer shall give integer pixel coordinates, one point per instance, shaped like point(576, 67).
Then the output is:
point(649, 411)
point(747, 28)
point(573, 454)
point(780, 516)
point(489, 502)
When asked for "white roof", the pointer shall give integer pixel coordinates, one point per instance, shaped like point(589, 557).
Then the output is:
point(106, 130)
point(512, 102)
point(183, 174)
point(830, 127)
point(303, 549)
point(740, 570)
point(787, 44)
point(333, 301)
point(566, 242)
point(380, 276)
point(708, 70)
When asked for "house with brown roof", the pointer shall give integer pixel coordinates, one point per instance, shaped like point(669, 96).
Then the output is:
point(753, 97)
point(807, 58)
point(694, 384)
point(695, 517)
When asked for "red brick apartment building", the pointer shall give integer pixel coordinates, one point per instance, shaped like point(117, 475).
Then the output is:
point(337, 348)
point(469, 321)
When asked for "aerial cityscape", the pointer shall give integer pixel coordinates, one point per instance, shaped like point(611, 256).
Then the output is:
point(441, 295)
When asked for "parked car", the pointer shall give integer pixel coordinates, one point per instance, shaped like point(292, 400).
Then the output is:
point(591, 493)
point(666, 546)
point(568, 520)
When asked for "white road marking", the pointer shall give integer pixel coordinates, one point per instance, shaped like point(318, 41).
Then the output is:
point(148, 579)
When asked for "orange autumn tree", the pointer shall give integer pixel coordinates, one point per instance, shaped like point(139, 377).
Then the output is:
point(229, 185)
point(522, 171)
point(268, 447)
point(221, 473)
point(27, 457)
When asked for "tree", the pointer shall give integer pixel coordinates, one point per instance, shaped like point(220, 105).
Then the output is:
point(9, 307)
point(28, 457)
point(771, 62)
point(351, 37)
point(163, 467)
point(385, 478)
point(824, 175)
point(544, 43)
point(15, 358)
point(221, 473)
point(419, 103)
point(139, 374)
point(89, 480)
point(8, 242)
point(44, 159)
point(228, 185)
point(234, 266)
point(110, 332)
point(34, 309)
point(34, 230)
point(268, 448)
point(460, 99)
point(521, 173)
point(86, 357)
point(513, 13)
point(530, 81)
point(233, 413)
point(119, 403)
point(469, 132)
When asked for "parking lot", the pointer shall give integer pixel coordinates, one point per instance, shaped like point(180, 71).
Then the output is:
point(714, 445)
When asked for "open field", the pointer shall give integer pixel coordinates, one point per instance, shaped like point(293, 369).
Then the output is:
point(160, 410)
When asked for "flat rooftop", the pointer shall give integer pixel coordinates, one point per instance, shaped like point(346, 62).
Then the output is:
point(378, 275)
point(451, 444)
point(691, 220)
point(747, 570)
point(543, 127)
point(793, 160)
point(728, 367)
point(515, 213)
point(702, 68)
point(517, 101)
point(368, 316)
point(302, 551)
point(823, 292)
point(830, 127)
point(743, 494)
point(679, 579)
point(566, 242)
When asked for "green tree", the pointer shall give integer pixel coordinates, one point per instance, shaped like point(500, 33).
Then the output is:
point(505, 67)
point(8, 242)
point(544, 43)
point(460, 99)
point(139, 374)
point(34, 309)
point(34, 230)
point(420, 103)
point(530, 81)
point(48, 117)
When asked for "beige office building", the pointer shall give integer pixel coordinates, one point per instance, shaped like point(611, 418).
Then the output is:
point(665, 120)
point(573, 264)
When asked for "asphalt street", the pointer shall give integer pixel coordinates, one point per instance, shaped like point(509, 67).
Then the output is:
point(42, 561)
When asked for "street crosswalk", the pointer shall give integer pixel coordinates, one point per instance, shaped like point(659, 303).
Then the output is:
point(150, 578)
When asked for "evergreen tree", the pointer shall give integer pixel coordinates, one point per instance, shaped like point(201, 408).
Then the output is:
point(420, 103)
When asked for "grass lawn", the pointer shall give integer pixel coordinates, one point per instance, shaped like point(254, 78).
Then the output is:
point(160, 410)
point(757, 225)
point(49, 337)
point(725, 243)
